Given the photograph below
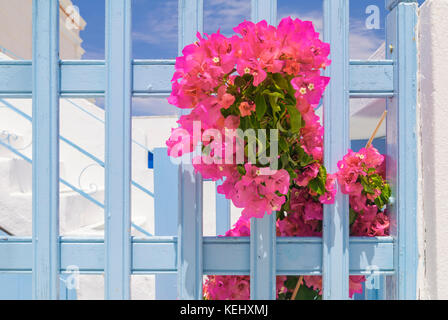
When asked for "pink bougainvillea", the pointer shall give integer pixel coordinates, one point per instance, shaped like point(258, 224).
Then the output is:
point(268, 79)
point(266, 75)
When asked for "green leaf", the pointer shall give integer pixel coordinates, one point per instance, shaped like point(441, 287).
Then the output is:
point(291, 282)
point(353, 216)
point(295, 118)
point(280, 215)
point(241, 169)
point(291, 172)
point(316, 186)
point(306, 293)
point(273, 102)
point(283, 144)
point(239, 82)
point(280, 81)
point(261, 106)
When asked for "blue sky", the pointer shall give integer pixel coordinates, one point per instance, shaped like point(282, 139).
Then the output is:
point(155, 24)
point(154, 30)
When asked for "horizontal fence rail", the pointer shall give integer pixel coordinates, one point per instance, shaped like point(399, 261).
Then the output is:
point(221, 255)
point(368, 78)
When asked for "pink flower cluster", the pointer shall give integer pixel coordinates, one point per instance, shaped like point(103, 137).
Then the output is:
point(234, 287)
point(201, 82)
point(238, 287)
point(220, 79)
point(353, 168)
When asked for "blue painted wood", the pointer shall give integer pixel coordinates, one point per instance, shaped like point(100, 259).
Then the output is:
point(401, 146)
point(263, 258)
point(15, 286)
point(190, 271)
point(45, 71)
point(336, 143)
point(83, 78)
point(118, 150)
point(264, 10)
point(374, 287)
point(66, 291)
point(391, 4)
point(371, 78)
point(263, 236)
point(222, 213)
point(166, 209)
point(222, 255)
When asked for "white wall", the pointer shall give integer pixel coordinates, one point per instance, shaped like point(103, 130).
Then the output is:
point(433, 100)
point(16, 29)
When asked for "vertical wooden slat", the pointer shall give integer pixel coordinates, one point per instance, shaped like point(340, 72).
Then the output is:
point(263, 236)
point(190, 266)
point(401, 146)
point(166, 208)
point(118, 149)
point(264, 10)
point(45, 149)
point(262, 258)
point(222, 213)
point(336, 143)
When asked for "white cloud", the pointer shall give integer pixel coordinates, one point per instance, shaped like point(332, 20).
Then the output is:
point(158, 25)
point(363, 42)
point(153, 106)
point(225, 14)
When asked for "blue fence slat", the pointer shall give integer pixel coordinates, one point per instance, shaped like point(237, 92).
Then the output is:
point(222, 213)
point(401, 146)
point(336, 143)
point(190, 222)
point(264, 10)
point(118, 149)
point(15, 286)
point(263, 235)
point(391, 4)
point(263, 258)
point(166, 208)
point(45, 149)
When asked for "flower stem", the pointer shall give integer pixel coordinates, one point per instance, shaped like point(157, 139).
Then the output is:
point(376, 129)
point(296, 289)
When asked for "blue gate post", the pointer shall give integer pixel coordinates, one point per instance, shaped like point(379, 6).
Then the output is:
point(263, 235)
point(166, 208)
point(401, 145)
point(45, 74)
point(335, 269)
point(117, 233)
point(222, 213)
point(190, 264)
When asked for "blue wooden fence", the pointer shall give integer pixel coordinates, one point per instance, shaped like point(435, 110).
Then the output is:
point(179, 246)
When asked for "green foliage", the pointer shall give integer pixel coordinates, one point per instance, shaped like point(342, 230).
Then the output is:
point(304, 293)
point(318, 183)
point(373, 181)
